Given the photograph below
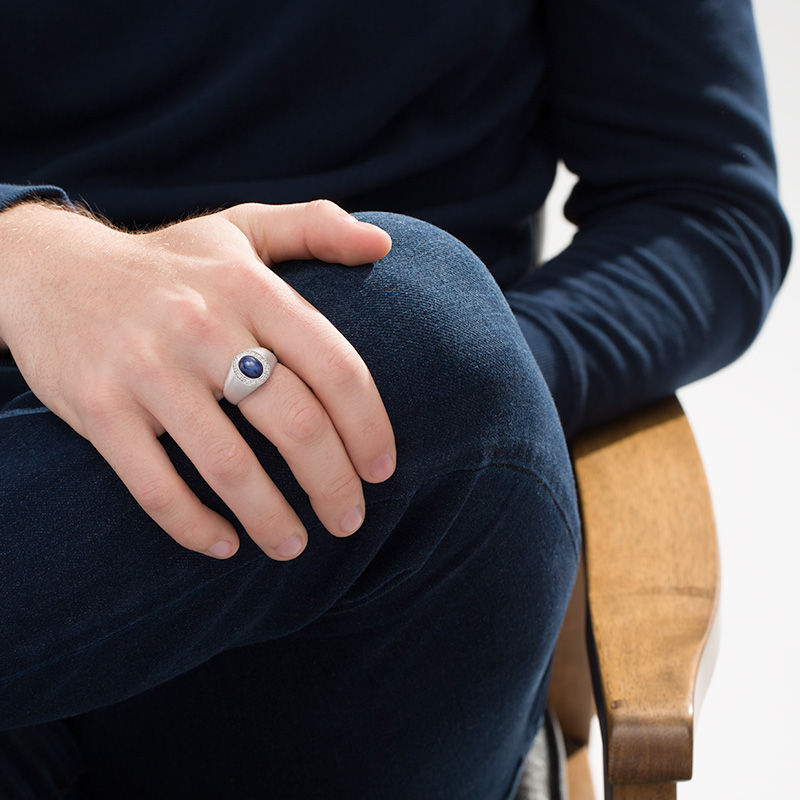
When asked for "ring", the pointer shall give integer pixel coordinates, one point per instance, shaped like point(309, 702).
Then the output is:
point(248, 370)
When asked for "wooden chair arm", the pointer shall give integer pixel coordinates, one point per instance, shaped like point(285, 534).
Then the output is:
point(652, 582)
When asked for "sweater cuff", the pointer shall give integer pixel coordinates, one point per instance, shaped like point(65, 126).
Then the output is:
point(11, 194)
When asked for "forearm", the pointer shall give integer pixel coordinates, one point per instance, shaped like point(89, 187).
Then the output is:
point(12, 195)
point(661, 112)
point(20, 225)
point(656, 295)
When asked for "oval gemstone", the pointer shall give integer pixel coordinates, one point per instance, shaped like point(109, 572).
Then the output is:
point(250, 366)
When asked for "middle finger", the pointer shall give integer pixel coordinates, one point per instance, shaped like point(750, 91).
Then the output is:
point(306, 342)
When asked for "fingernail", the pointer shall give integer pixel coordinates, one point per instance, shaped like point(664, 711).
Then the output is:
point(382, 467)
point(221, 549)
point(291, 547)
point(352, 520)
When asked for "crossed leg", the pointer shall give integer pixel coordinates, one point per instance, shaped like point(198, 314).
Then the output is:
point(408, 660)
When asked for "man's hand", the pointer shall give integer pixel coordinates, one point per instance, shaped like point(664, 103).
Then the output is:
point(125, 336)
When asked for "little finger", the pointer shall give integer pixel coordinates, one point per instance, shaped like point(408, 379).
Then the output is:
point(142, 464)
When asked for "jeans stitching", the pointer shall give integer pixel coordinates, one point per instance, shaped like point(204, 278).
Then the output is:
point(401, 577)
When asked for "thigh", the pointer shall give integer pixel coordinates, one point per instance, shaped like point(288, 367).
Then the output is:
point(101, 605)
point(432, 687)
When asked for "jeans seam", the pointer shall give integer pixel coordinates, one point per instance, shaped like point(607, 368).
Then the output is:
point(574, 535)
point(397, 580)
point(340, 608)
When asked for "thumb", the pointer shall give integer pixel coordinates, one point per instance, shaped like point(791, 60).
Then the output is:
point(319, 229)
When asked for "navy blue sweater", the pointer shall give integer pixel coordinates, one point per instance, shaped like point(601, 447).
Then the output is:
point(452, 112)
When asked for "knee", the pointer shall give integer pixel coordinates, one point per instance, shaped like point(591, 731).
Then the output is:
point(454, 371)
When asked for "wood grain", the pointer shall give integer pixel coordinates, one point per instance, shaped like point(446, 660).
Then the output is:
point(644, 791)
point(652, 578)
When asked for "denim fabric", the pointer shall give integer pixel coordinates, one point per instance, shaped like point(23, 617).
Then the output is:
point(407, 661)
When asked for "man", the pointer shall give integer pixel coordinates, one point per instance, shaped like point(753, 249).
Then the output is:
point(406, 654)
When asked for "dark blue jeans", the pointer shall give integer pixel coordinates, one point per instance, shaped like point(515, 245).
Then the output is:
point(407, 661)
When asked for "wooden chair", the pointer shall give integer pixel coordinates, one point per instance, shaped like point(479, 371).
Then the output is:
point(639, 639)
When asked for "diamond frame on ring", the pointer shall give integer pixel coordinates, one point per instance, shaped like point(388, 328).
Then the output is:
point(237, 384)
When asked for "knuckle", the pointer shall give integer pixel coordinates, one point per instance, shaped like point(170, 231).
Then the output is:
point(93, 406)
point(237, 286)
point(191, 314)
point(227, 462)
point(140, 359)
point(342, 365)
point(155, 497)
point(305, 420)
point(321, 206)
point(247, 285)
point(343, 486)
point(136, 361)
point(98, 402)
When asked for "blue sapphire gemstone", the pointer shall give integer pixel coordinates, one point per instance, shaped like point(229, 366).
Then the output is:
point(250, 366)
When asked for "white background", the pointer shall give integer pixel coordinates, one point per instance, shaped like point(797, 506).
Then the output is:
point(745, 420)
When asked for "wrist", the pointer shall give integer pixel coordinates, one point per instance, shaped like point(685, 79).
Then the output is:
point(17, 214)
point(14, 222)
point(27, 228)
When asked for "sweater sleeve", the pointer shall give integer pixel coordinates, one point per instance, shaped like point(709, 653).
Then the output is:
point(660, 110)
point(11, 193)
